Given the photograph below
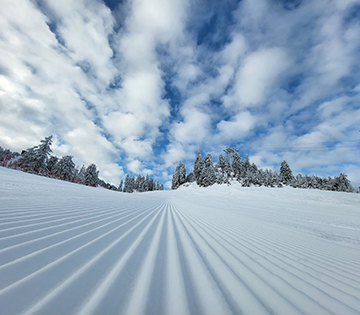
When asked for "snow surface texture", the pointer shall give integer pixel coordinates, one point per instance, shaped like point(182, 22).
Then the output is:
point(71, 249)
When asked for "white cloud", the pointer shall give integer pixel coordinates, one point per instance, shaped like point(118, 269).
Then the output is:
point(258, 73)
point(236, 128)
point(195, 126)
point(135, 166)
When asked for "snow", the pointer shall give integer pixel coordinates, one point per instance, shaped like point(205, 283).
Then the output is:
point(71, 249)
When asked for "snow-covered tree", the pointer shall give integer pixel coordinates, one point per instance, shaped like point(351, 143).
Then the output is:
point(230, 153)
point(66, 167)
point(179, 176)
point(198, 164)
point(175, 179)
point(81, 174)
point(151, 184)
point(34, 159)
point(147, 183)
point(44, 150)
point(51, 163)
point(341, 183)
point(246, 163)
point(128, 185)
point(236, 165)
point(182, 173)
point(190, 177)
point(207, 175)
point(286, 174)
point(221, 170)
point(138, 183)
point(91, 175)
point(120, 187)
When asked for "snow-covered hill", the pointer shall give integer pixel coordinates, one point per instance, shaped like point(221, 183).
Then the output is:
point(71, 249)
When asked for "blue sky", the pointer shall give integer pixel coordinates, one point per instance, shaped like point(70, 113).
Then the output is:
point(135, 86)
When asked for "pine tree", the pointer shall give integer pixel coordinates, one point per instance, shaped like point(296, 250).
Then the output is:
point(182, 173)
point(151, 184)
point(91, 175)
point(66, 167)
point(43, 151)
point(190, 177)
point(207, 175)
point(246, 164)
point(198, 164)
point(220, 170)
point(51, 163)
point(35, 159)
point(230, 153)
point(120, 187)
point(341, 183)
point(81, 174)
point(236, 165)
point(227, 169)
point(127, 187)
point(147, 183)
point(286, 174)
point(175, 181)
point(179, 176)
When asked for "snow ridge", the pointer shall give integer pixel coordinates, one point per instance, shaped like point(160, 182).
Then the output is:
point(71, 249)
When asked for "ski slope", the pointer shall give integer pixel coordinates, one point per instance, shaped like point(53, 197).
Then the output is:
point(71, 249)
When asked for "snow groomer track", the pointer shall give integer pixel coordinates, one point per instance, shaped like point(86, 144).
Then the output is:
point(71, 249)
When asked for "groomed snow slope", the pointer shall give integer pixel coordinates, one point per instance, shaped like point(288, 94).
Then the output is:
point(71, 249)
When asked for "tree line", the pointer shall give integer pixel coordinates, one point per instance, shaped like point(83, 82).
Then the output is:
point(232, 167)
point(39, 160)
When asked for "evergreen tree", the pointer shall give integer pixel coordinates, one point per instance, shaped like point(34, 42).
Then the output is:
point(35, 158)
point(198, 165)
point(190, 177)
point(81, 174)
point(286, 174)
point(147, 183)
point(230, 152)
point(299, 181)
point(151, 184)
point(227, 169)
point(222, 171)
point(179, 176)
point(138, 183)
point(91, 175)
point(66, 167)
point(51, 163)
point(182, 173)
point(236, 165)
point(341, 183)
point(128, 185)
point(246, 180)
point(44, 150)
point(175, 181)
point(246, 165)
point(143, 185)
point(207, 175)
point(120, 188)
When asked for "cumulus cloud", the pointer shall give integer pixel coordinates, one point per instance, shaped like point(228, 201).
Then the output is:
point(258, 73)
point(237, 128)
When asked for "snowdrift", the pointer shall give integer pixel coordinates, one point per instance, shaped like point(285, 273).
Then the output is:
point(72, 249)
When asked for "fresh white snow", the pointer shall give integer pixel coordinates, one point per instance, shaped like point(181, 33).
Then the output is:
point(71, 249)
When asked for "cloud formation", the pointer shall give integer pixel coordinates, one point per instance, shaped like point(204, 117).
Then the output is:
point(135, 86)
